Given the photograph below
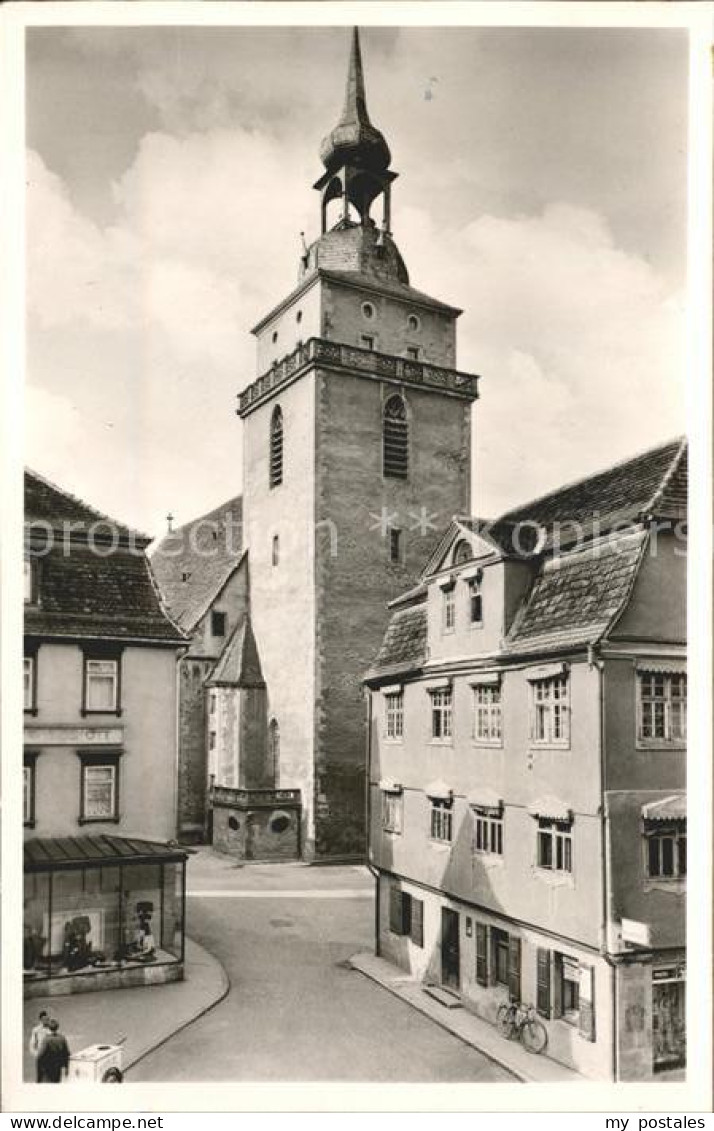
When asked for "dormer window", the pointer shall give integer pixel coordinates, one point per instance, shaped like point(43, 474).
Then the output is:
point(462, 552)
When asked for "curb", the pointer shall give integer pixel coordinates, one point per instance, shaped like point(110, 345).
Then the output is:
point(225, 990)
point(442, 1025)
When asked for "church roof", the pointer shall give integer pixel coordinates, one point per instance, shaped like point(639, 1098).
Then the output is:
point(239, 665)
point(194, 562)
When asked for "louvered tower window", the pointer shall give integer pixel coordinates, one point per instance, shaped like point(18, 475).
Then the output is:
point(276, 447)
point(395, 433)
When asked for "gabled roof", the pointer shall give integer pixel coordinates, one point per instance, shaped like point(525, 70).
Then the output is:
point(49, 504)
point(652, 484)
point(404, 646)
point(88, 591)
point(577, 596)
point(489, 537)
point(194, 562)
point(239, 665)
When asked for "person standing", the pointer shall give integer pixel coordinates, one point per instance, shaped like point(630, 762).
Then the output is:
point(39, 1034)
point(53, 1060)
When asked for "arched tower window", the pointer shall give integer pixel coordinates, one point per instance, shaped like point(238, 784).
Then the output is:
point(274, 751)
point(395, 438)
point(276, 447)
point(463, 552)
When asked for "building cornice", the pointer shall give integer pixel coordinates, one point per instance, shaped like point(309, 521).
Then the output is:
point(360, 363)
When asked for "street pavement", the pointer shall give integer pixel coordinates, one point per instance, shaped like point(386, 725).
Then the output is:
point(296, 1010)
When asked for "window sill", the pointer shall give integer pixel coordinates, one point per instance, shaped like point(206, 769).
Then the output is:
point(393, 741)
point(29, 824)
point(98, 820)
point(665, 744)
point(536, 746)
point(488, 859)
point(490, 743)
point(115, 712)
point(673, 885)
point(392, 832)
point(553, 878)
point(449, 742)
point(32, 711)
point(440, 843)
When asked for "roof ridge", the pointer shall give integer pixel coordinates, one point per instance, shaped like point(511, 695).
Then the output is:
point(668, 475)
point(199, 518)
point(82, 503)
point(681, 440)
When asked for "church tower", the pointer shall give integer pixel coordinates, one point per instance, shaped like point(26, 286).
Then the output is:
point(357, 452)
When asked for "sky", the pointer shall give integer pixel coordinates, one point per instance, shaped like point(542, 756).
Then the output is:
point(542, 188)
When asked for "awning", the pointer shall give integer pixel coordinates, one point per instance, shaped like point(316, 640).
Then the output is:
point(551, 809)
point(388, 785)
point(673, 808)
point(50, 854)
point(439, 790)
point(659, 666)
point(485, 679)
point(546, 671)
point(485, 798)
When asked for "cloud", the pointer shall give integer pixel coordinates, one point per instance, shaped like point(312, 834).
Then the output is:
point(143, 325)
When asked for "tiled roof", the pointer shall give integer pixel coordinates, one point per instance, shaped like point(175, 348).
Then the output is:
point(193, 563)
point(389, 287)
point(405, 642)
point(654, 482)
point(507, 537)
point(49, 504)
point(82, 592)
point(577, 596)
point(239, 666)
point(47, 853)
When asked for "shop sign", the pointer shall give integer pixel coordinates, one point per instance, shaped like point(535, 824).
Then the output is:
point(670, 973)
point(635, 933)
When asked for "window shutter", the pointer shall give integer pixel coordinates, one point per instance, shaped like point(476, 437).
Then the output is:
point(587, 1003)
point(417, 925)
point(481, 954)
point(395, 910)
point(558, 986)
point(543, 983)
point(514, 969)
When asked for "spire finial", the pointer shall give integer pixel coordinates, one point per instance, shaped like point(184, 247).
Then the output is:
point(355, 97)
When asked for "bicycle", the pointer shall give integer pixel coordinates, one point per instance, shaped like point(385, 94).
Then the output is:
point(515, 1019)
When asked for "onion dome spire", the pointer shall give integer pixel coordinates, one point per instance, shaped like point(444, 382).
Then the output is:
point(355, 154)
point(354, 138)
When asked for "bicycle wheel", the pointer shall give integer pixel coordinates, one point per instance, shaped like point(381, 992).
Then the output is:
point(534, 1035)
point(504, 1021)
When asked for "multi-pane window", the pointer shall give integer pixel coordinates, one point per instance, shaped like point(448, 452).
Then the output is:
point(101, 685)
point(550, 710)
point(448, 609)
point(28, 683)
point(395, 439)
point(441, 819)
point(663, 706)
point(488, 832)
point(276, 447)
point(99, 792)
point(666, 845)
point(392, 811)
point(475, 603)
point(394, 714)
point(555, 845)
point(567, 971)
point(441, 706)
point(487, 713)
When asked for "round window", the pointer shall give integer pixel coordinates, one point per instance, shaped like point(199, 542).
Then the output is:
point(279, 822)
point(413, 322)
point(234, 824)
point(368, 310)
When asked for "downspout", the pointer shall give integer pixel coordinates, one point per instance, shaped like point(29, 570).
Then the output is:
point(598, 664)
point(368, 819)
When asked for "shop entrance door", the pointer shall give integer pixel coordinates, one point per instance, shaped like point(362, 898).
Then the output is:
point(669, 1048)
point(450, 962)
